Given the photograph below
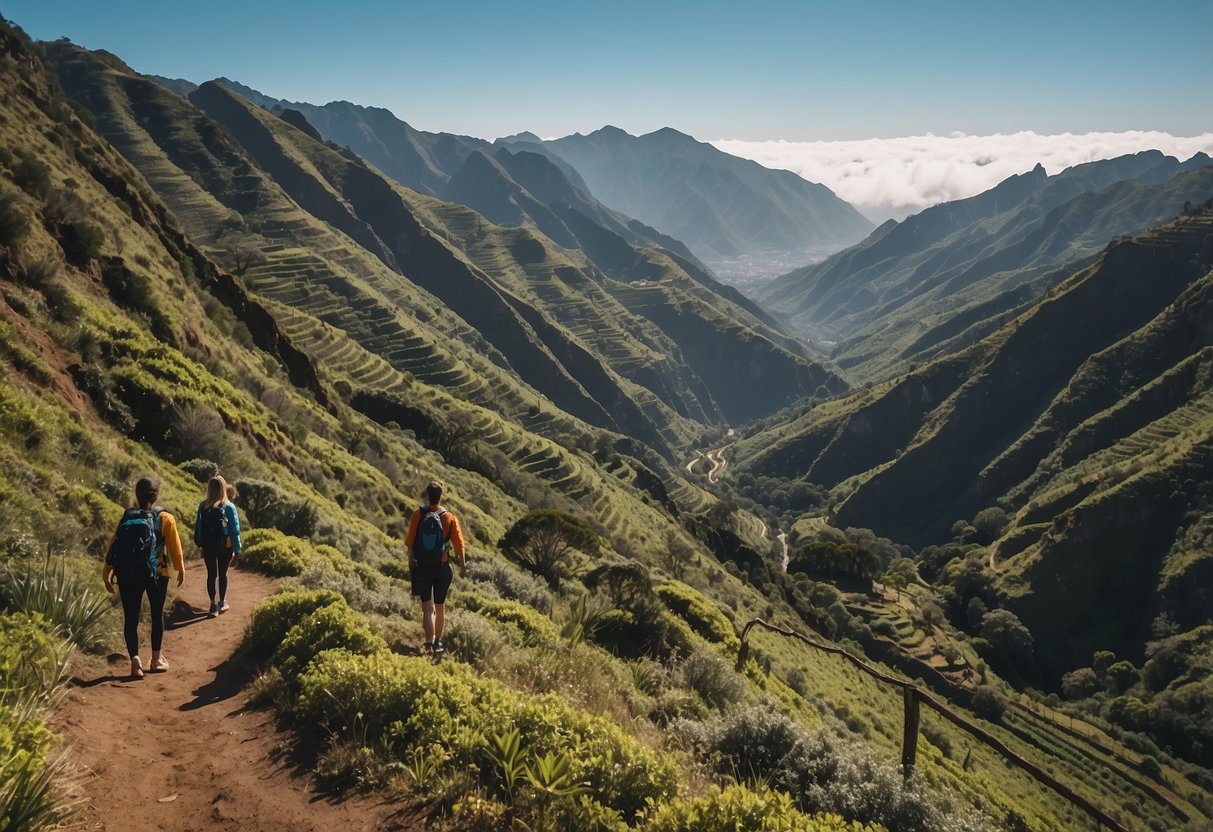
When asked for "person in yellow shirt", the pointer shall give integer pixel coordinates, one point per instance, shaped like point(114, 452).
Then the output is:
point(433, 531)
point(136, 557)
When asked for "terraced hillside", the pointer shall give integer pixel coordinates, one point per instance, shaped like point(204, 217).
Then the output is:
point(946, 277)
point(124, 348)
point(506, 186)
point(1086, 418)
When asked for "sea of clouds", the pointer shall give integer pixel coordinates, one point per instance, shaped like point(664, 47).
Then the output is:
point(880, 175)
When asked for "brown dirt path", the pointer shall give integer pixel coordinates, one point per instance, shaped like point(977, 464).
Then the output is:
point(186, 738)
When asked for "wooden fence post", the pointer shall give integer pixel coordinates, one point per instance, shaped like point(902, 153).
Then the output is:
point(909, 736)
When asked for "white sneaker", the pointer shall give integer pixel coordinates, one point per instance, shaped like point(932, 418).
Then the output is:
point(214, 610)
point(159, 665)
point(223, 607)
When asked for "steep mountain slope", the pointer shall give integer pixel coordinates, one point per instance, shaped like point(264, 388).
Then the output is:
point(1087, 417)
point(719, 205)
point(434, 164)
point(518, 319)
point(125, 349)
point(951, 274)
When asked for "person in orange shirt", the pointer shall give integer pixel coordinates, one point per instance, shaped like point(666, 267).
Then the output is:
point(433, 531)
point(136, 558)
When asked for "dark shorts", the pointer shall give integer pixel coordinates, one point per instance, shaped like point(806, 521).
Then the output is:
point(432, 580)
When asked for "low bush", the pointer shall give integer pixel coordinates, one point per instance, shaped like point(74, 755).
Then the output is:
point(328, 628)
point(274, 553)
point(275, 616)
point(52, 592)
point(404, 703)
point(200, 469)
point(738, 807)
point(511, 582)
point(473, 638)
point(31, 667)
point(14, 221)
point(824, 770)
point(705, 618)
point(531, 627)
point(713, 678)
point(364, 588)
point(268, 505)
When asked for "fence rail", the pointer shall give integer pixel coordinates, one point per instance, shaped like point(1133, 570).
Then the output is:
point(913, 697)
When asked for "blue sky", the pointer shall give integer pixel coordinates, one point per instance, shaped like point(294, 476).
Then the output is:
point(795, 70)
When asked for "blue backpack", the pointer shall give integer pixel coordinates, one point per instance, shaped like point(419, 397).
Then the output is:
point(135, 551)
point(429, 545)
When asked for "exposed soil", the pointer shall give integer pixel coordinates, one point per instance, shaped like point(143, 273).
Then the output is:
point(182, 751)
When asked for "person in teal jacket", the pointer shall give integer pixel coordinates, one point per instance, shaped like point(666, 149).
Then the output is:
point(217, 533)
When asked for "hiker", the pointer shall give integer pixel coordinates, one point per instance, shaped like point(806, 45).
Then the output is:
point(432, 530)
point(217, 533)
point(136, 558)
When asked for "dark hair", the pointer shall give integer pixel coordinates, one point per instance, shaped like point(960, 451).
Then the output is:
point(434, 492)
point(147, 490)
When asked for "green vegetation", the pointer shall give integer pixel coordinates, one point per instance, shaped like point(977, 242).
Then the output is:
point(595, 690)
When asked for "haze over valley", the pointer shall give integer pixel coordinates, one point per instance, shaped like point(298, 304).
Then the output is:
point(803, 481)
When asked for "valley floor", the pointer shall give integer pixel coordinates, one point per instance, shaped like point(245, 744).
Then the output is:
point(183, 751)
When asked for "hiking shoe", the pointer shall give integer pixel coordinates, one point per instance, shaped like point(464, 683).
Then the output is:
point(223, 607)
point(159, 665)
point(438, 645)
point(427, 648)
point(136, 668)
point(214, 610)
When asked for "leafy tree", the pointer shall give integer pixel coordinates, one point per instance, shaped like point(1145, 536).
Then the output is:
point(1080, 683)
point(625, 582)
point(1102, 660)
point(1122, 675)
point(989, 524)
point(988, 703)
point(1007, 635)
point(544, 542)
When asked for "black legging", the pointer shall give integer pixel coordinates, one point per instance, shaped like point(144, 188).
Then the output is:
point(217, 561)
point(132, 591)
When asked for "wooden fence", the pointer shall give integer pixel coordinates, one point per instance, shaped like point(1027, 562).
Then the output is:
point(913, 698)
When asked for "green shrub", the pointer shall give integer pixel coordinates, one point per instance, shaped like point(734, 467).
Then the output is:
point(511, 582)
point(31, 659)
point(713, 678)
point(738, 808)
point(328, 628)
point(705, 618)
point(51, 592)
point(200, 469)
point(275, 616)
point(824, 770)
point(403, 703)
point(82, 241)
point(532, 628)
point(31, 667)
point(33, 176)
point(274, 553)
point(353, 582)
point(473, 639)
point(14, 222)
point(268, 505)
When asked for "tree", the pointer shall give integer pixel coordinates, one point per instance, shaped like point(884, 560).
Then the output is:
point(1080, 683)
point(240, 253)
point(1122, 675)
point(544, 541)
point(625, 582)
point(1007, 634)
point(989, 524)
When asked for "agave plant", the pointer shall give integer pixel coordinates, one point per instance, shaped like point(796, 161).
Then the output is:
point(59, 597)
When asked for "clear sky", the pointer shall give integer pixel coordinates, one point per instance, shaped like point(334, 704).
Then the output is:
point(797, 70)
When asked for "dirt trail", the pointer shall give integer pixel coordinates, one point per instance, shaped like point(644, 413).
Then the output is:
point(185, 737)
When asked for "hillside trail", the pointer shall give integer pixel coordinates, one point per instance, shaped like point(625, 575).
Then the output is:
point(182, 751)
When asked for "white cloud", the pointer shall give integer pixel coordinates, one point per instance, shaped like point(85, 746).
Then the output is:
point(924, 170)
